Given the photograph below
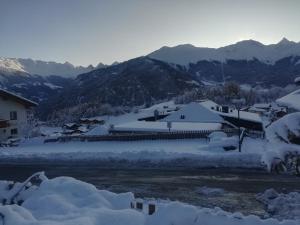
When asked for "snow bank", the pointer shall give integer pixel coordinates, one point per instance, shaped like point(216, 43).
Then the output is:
point(160, 153)
point(66, 201)
point(281, 205)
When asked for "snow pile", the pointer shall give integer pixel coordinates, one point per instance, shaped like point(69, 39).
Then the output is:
point(66, 201)
point(281, 205)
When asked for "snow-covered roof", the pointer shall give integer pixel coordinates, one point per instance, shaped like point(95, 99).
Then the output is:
point(254, 109)
point(17, 98)
point(194, 112)
point(208, 104)
point(243, 115)
point(262, 105)
point(98, 130)
point(159, 126)
point(291, 100)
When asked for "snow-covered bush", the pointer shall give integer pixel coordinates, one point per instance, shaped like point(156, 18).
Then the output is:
point(286, 129)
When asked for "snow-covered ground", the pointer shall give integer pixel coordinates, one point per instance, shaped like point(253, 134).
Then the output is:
point(64, 200)
point(190, 153)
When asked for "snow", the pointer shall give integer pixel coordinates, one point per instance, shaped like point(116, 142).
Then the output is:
point(280, 205)
point(98, 130)
point(291, 100)
point(41, 67)
point(52, 86)
point(194, 112)
point(163, 126)
point(284, 127)
point(10, 65)
point(50, 131)
point(67, 201)
point(162, 108)
point(277, 135)
point(161, 153)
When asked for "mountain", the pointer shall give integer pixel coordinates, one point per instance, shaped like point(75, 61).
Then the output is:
point(35, 87)
point(135, 82)
point(36, 79)
point(254, 72)
point(38, 67)
point(243, 50)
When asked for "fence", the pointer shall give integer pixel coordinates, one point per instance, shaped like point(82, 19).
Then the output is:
point(142, 136)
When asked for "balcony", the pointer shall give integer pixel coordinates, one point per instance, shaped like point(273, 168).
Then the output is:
point(4, 123)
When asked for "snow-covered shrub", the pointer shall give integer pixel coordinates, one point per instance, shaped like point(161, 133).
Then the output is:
point(286, 129)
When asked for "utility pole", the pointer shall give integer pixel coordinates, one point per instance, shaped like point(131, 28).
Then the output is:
point(240, 146)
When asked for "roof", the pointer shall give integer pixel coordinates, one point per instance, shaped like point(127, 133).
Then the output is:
point(232, 113)
point(291, 100)
point(158, 126)
point(17, 98)
point(262, 105)
point(208, 104)
point(194, 112)
point(254, 117)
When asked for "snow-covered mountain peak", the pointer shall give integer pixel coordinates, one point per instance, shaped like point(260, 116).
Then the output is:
point(242, 50)
point(43, 68)
point(10, 65)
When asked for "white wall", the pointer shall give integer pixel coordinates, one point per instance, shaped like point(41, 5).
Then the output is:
point(6, 106)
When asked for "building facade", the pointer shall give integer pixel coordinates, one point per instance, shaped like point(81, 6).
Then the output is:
point(15, 115)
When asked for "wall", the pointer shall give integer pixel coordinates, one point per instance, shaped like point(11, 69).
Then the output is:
point(6, 106)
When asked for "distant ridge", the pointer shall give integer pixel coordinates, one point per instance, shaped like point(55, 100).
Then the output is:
point(243, 50)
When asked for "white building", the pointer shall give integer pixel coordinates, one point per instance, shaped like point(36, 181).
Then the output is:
point(15, 114)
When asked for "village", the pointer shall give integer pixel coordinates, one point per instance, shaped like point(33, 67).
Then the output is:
point(226, 128)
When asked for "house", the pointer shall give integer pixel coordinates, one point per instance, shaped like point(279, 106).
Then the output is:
point(15, 115)
point(192, 117)
point(238, 118)
point(290, 101)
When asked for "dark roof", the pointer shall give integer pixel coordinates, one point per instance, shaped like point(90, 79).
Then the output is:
point(24, 101)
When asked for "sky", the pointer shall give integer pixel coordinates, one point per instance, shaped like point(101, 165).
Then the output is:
point(86, 32)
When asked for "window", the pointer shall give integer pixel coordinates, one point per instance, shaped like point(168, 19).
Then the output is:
point(14, 131)
point(13, 115)
point(182, 117)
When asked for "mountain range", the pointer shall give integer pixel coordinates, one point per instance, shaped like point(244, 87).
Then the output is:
point(243, 50)
point(164, 73)
point(43, 68)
